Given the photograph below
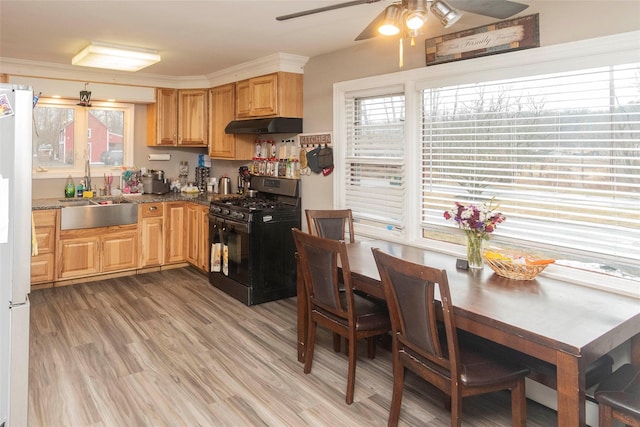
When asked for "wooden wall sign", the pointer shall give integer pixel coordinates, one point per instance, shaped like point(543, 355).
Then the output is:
point(501, 37)
point(311, 139)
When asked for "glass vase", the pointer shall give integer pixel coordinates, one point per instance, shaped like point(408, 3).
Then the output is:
point(474, 250)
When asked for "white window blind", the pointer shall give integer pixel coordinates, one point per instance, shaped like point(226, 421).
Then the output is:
point(560, 152)
point(375, 160)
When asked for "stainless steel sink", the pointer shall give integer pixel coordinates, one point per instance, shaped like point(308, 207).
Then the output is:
point(101, 212)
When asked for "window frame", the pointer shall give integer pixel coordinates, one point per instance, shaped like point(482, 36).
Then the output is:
point(609, 50)
point(81, 136)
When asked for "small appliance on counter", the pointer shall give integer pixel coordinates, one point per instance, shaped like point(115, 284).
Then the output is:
point(244, 180)
point(154, 182)
point(225, 185)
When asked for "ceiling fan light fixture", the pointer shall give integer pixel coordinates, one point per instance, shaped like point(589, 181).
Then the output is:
point(115, 57)
point(416, 14)
point(391, 24)
point(415, 20)
point(445, 13)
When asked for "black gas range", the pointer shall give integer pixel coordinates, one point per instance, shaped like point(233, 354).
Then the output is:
point(252, 248)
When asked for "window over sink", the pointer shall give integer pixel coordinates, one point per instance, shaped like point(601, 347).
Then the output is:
point(66, 134)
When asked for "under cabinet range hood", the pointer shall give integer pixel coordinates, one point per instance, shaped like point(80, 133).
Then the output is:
point(265, 126)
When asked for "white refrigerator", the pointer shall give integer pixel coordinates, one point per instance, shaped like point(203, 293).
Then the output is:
point(16, 112)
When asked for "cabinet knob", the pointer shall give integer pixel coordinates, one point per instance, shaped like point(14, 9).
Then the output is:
point(153, 208)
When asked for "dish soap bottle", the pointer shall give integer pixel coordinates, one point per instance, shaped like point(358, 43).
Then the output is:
point(70, 188)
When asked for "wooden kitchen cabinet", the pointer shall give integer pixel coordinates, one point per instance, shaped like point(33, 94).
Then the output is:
point(120, 250)
point(43, 264)
point(178, 118)
point(271, 95)
point(198, 236)
point(175, 232)
point(192, 118)
point(151, 234)
point(221, 112)
point(78, 253)
point(93, 251)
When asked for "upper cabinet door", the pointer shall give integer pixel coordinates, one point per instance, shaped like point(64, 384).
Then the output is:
point(166, 116)
point(263, 91)
point(192, 117)
point(243, 100)
point(221, 112)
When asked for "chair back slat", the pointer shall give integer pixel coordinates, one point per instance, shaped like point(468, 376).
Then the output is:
point(415, 299)
point(320, 259)
point(413, 309)
point(336, 224)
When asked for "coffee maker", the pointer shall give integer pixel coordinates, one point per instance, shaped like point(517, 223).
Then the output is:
point(154, 182)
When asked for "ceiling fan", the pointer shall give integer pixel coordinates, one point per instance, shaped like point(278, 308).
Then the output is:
point(409, 16)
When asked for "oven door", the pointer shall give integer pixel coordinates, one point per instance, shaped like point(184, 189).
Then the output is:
point(234, 237)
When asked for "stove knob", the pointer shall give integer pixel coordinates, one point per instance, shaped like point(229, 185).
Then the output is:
point(226, 211)
point(239, 215)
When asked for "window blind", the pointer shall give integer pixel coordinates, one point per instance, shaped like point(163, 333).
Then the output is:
point(375, 159)
point(559, 152)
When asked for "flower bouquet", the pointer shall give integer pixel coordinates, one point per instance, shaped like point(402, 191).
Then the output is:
point(477, 223)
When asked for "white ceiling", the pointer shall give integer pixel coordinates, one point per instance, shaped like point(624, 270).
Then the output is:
point(194, 38)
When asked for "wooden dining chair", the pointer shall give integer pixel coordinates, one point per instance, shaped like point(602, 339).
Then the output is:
point(336, 224)
point(422, 345)
point(333, 306)
point(618, 397)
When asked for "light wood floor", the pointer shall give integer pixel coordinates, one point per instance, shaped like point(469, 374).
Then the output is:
point(168, 349)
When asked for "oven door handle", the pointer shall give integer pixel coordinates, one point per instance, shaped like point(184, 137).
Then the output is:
point(226, 224)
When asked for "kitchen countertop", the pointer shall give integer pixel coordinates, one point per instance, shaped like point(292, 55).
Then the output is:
point(200, 198)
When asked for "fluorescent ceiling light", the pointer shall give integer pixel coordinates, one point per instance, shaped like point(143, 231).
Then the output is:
point(114, 57)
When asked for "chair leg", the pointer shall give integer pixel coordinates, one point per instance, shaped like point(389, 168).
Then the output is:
point(311, 338)
point(351, 376)
point(337, 340)
point(519, 405)
point(396, 398)
point(371, 347)
point(456, 410)
point(606, 415)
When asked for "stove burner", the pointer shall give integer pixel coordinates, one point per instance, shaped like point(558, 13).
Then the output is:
point(254, 204)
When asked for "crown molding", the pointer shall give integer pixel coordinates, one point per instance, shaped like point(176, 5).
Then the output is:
point(258, 67)
point(268, 64)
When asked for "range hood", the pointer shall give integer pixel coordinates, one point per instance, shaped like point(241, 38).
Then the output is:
point(264, 126)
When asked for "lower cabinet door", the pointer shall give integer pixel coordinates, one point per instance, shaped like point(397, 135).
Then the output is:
point(79, 257)
point(151, 242)
point(119, 251)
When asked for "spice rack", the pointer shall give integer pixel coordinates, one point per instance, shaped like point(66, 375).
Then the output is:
point(276, 159)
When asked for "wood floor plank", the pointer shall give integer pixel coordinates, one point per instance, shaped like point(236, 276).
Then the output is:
point(167, 349)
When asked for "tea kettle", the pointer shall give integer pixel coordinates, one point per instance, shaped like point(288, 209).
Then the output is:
point(225, 185)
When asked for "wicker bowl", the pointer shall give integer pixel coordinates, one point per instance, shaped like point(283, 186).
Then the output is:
point(515, 270)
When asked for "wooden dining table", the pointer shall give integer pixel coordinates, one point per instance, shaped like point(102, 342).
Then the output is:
point(567, 325)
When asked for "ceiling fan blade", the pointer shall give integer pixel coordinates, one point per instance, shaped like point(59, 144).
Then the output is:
point(372, 28)
point(324, 9)
point(494, 8)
